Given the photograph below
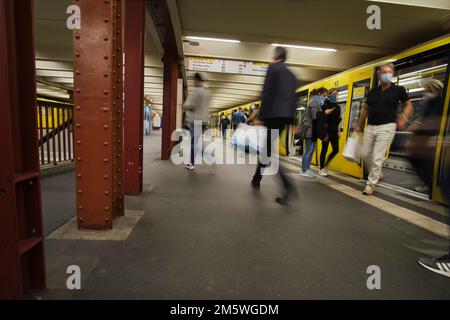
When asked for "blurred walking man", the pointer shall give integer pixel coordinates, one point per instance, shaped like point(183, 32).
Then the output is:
point(224, 123)
point(278, 104)
point(383, 119)
point(197, 116)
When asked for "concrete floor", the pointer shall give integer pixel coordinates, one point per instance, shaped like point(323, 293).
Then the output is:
point(208, 235)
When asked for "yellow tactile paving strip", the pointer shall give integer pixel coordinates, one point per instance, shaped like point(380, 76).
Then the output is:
point(408, 215)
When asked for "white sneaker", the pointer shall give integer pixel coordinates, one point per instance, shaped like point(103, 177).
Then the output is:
point(323, 172)
point(189, 166)
point(308, 174)
point(368, 190)
point(422, 188)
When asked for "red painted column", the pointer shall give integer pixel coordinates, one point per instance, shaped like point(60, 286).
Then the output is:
point(170, 61)
point(98, 98)
point(134, 95)
point(22, 263)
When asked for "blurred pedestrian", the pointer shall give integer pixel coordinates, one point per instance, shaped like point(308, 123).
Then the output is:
point(422, 149)
point(254, 111)
point(277, 110)
point(197, 115)
point(224, 123)
point(238, 118)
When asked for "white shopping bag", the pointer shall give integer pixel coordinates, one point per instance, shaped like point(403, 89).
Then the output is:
point(250, 138)
point(352, 150)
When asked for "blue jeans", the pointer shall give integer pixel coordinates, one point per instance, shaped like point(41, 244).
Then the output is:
point(308, 153)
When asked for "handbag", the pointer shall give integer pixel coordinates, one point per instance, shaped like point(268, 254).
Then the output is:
point(352, 150)
point(250, 138)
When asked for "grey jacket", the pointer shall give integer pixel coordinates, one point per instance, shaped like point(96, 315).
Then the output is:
point(197, 105)
point(310, 116)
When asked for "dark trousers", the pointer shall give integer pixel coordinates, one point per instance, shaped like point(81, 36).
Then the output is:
point(270, 124)
point(224, 133)
point(334, 140)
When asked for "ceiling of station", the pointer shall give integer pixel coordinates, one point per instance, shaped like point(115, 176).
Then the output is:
point(54, 53)
point(337, 24)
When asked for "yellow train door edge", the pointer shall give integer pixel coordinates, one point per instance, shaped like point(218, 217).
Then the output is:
point(436, 191)
point(350, 168)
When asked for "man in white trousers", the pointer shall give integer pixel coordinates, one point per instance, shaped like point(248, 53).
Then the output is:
point(383, 119)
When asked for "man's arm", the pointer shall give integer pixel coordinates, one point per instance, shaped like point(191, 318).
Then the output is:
point(408, 110)
point(362, 118)
point(268, 88)
point(315, 107)
point(192, 101)
point(407, 113)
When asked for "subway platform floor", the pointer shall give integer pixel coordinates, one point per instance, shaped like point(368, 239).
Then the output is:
point(206, 234)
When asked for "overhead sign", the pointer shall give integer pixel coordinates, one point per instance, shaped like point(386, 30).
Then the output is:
point(227, 66)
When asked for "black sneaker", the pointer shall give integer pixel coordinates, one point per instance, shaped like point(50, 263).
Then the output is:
point(438, 265)
point(282, 200)
point(255, 185)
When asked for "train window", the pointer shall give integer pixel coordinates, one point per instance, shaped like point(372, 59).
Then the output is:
point(412, 73)
point(359, 94)
point(302, 103)
point(413, 78)
point(342, 102)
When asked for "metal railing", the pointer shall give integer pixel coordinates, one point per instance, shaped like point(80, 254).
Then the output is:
point(55, 132)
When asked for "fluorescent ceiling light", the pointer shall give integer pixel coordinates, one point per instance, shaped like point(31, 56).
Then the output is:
point(423, 70)
point(303, 47)
point(212, 39)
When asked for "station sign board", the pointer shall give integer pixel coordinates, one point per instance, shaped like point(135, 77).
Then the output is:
point(227, 66)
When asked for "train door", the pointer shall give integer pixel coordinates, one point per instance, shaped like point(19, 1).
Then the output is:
point(359, 86)
point(412, 73)
point(302, 103)
point(442, 166)
point(341, 101)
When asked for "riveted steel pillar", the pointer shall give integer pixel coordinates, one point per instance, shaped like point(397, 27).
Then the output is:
point(22, 263)
point(118, 114)
point(134, 95)
point(170, 61)
point(98, 112)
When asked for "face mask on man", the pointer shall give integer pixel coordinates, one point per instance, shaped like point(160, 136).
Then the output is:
point(332, 98)
point(387, 77)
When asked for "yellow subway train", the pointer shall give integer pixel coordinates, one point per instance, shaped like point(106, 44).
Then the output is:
point(413, 66)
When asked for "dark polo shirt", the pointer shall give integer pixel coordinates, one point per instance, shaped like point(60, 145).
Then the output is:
point(383, 105)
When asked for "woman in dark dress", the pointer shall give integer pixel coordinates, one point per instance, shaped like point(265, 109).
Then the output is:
point(332, 120)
